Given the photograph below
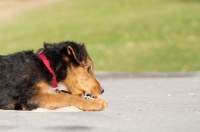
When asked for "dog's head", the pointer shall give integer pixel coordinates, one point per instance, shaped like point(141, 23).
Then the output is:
point(79, 76)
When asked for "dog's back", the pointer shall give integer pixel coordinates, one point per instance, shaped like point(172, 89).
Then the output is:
point(18, 73)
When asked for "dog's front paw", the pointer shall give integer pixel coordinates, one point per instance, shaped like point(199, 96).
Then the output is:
point(95, 105)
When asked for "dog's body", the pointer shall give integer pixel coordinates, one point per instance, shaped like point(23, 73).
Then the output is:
point(25, 80)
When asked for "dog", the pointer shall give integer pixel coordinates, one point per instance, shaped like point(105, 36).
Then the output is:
point(30, 80)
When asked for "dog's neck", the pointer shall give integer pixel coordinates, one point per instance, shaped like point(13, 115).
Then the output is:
point(57, 63)
point(46, 62)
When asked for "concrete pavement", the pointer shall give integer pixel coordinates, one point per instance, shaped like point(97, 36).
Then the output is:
point(160, 102)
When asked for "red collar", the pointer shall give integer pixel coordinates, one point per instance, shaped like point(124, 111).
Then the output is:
point(46, 62)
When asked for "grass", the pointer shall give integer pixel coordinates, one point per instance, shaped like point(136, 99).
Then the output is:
point(128, 35)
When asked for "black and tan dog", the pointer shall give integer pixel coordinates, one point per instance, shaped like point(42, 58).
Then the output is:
point(26, 78)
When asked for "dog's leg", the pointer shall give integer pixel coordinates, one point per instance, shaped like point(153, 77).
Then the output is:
point(14, 105)
point(58, 100)
point(51, 100)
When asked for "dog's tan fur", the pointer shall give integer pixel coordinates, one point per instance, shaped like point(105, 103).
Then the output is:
point(53, 100)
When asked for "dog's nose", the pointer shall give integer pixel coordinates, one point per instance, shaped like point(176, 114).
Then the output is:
point(102, 90)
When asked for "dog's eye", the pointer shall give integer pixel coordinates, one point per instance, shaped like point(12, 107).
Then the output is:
point(89, 69)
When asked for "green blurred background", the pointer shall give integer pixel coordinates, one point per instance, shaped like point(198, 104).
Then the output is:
point(120, 35)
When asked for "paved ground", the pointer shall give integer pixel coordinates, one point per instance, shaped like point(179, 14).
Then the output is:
point(137, 103)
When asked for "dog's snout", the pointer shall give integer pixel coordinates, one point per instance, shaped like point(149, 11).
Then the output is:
point(102, 90)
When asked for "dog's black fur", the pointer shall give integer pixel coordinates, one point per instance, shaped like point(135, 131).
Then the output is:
point(22, 71)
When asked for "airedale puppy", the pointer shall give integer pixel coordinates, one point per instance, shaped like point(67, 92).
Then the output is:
point(26, 78)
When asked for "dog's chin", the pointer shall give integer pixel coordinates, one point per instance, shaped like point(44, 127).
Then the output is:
point(92, 93)
point(80, 94)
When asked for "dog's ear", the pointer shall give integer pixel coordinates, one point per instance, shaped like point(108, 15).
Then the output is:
point(75, 53)
point(71, 53)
